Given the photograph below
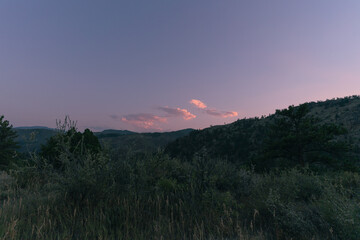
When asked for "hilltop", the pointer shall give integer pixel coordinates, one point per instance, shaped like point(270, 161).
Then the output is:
point(242, 141)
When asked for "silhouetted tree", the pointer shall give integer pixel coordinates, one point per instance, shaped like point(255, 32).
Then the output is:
point(8, 145)
point(71, 143)
point(298, 138)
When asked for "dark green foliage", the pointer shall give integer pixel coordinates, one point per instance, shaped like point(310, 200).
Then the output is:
point(304, 135)
point(302, 205)
point(8, 145)
point(238, 142)
point(71, 143)
point(121, 143)
point(160, 197)
point(297, 138)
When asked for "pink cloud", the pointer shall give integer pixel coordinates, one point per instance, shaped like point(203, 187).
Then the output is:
point(185, 114)
point(212, 111)
point(198, 103)
point(222, 114)
point(230, 114)
point(144, 120)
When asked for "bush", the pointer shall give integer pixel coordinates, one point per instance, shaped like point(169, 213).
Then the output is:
point(68, 145)
point(301, 205)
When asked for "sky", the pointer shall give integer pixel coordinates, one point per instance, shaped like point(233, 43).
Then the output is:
point(168, 65)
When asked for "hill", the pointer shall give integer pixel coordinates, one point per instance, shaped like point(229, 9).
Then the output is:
point(112, 133)
point(139, 142)
point(242, 141)
point(30, 139)
point(34, 127)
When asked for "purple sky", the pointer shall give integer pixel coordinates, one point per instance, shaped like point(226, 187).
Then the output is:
point(137, 64)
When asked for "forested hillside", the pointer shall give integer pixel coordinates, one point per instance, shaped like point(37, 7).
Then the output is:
point(139, 142)
point(244, 141)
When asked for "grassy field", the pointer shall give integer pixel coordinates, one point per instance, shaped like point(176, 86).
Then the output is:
point(157, 197)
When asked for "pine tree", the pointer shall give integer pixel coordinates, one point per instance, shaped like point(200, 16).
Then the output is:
point(72, 143)
point(298, 138)
point(8, 145)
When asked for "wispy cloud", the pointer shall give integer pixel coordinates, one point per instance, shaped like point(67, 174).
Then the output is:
point(198, 103)
point(222, 114)
point(144, 120)
point(185, 114)
point(212, 111)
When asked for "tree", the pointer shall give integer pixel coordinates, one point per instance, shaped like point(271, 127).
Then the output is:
point(8, 145)
point(297, 138)
point(72, 144)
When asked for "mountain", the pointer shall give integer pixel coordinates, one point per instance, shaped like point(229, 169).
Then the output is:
point(139, 142)
point(243, 140)
point(113, 133)
point(30, 139)
point(33, 127)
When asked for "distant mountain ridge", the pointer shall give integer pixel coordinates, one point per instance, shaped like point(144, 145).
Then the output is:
point(113, 133)
point(33, 127)
point(30, 139)
point(139, 142)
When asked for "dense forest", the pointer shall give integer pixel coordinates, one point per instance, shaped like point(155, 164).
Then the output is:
point(290, 175)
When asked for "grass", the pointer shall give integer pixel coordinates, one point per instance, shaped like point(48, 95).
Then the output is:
point(34, 215)
point(162, 198)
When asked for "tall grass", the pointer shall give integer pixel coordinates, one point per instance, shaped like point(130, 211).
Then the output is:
point(36, 215)
point(97, 196)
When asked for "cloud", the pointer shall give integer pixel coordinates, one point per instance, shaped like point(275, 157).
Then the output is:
point(230, 114)
point(212, 111)
point(144, 120)
point(222, 114)
point(185, 114)
point(198, 103)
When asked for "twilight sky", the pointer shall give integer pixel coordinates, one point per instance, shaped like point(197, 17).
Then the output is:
point(167, 65)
